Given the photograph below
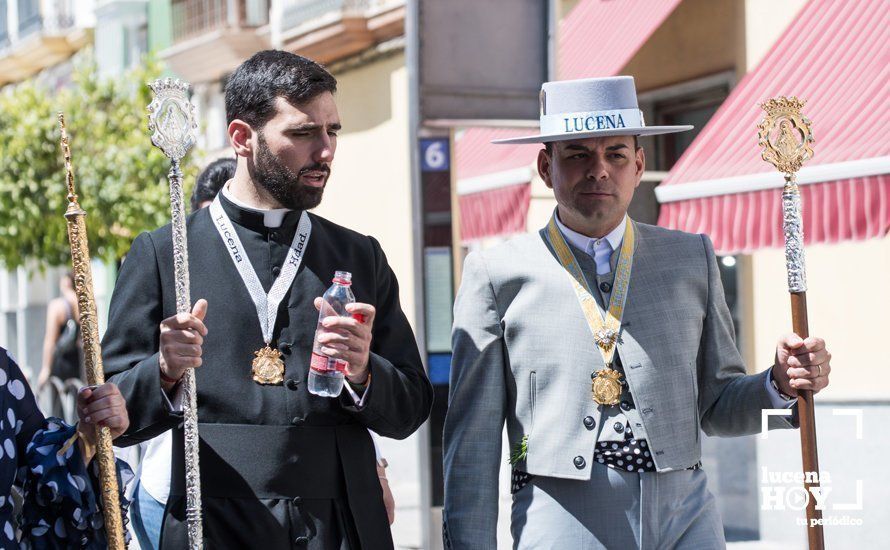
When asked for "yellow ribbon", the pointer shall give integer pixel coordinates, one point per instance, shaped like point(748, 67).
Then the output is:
point(605, 326)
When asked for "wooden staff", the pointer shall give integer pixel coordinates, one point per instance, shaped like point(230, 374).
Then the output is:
point(171, 121)
point(92, 354)
point(786, 139)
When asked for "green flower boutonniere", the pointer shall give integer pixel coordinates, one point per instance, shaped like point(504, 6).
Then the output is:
point(520, 451)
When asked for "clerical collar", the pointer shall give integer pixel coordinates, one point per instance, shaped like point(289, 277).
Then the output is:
point(588, 244)
point(257, 220)
point(271, 218)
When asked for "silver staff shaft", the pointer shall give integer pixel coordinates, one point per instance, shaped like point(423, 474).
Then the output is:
point(792, 227)
point(190, 403)
point(171, 120)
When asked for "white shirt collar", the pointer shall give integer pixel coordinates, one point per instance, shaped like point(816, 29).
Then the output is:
point(271, 218)
point(583, 241)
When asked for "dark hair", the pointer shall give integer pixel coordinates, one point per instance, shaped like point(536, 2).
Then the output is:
point(548, 146)
point(253, 87)
point(211, 180)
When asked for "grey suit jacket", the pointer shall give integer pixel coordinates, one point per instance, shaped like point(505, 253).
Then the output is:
point(523, 353)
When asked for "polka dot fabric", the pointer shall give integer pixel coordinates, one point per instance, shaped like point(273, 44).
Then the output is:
point(631, 455)
point(518, 480)
point(60, 508)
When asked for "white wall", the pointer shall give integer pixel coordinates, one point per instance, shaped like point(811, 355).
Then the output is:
point(848, 298)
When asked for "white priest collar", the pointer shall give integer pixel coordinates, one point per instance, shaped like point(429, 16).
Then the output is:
point(271, 218)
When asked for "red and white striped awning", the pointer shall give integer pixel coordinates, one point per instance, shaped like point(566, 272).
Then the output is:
point(497, 212)
point(494, 180)
point(598, 38)
point(836, 56)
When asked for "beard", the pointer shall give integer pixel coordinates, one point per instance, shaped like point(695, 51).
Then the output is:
point(283, 183)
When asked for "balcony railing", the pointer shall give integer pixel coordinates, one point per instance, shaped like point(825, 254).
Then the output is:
point(39, 34)
point(296, 13)
point(59, 16)
point(193, 18)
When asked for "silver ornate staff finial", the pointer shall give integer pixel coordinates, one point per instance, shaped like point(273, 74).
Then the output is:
point(171, 120)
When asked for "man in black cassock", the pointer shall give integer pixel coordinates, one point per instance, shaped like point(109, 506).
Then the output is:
point(280, 467)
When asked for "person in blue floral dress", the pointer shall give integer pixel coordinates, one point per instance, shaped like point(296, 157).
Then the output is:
point(50, 463)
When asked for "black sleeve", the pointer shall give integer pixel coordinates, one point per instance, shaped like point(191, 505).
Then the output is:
point(131, 345)
point(399, 397)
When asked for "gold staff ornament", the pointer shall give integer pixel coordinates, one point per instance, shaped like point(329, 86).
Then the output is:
point(92, 354)
point(171, 121)
point(786, 138)
point(786, 135)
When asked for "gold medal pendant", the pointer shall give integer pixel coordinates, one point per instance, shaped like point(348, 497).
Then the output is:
point(268, 368)
point(604, 326)
point(606, 387)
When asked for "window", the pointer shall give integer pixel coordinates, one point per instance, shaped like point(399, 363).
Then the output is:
point(695, 109)
point(4, 23)
point(29, 16)
point(692, 102)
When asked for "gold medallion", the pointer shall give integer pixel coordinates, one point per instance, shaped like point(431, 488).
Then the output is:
point(606, 386)
point(268, 368)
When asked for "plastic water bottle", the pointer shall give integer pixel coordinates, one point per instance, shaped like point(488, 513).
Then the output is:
point(326, 375)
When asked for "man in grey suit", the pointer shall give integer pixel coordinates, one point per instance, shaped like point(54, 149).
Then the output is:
point(606, 345)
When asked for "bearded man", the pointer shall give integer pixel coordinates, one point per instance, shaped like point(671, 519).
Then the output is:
point(280, 467)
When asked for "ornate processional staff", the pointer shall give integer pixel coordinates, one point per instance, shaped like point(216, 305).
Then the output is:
point(92, 354)
point(786, 138)
point(171, 121)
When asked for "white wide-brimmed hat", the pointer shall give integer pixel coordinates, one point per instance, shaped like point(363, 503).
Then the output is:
point(591, 107)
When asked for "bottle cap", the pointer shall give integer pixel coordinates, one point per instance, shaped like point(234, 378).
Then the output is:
point(343, 277)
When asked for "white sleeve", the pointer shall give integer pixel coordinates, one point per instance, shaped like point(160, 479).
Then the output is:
point(174, 405)
point(774, 397)
point(376, 447)
point(359, 401)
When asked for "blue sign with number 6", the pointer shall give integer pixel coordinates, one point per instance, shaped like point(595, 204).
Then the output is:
point(434, 155)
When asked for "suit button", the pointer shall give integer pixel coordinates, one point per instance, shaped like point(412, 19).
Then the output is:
point(619, 427)
point(273, 235)
point(276, 271)
point(606, 287)
point(580, 462)
point(625, 406)
point(291, 384)
point(297, 421)
point(589, 422)
point(285, 348)
point(302, 540)
point(297, 501)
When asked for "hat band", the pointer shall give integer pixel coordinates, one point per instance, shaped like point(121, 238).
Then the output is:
point(591, 121)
